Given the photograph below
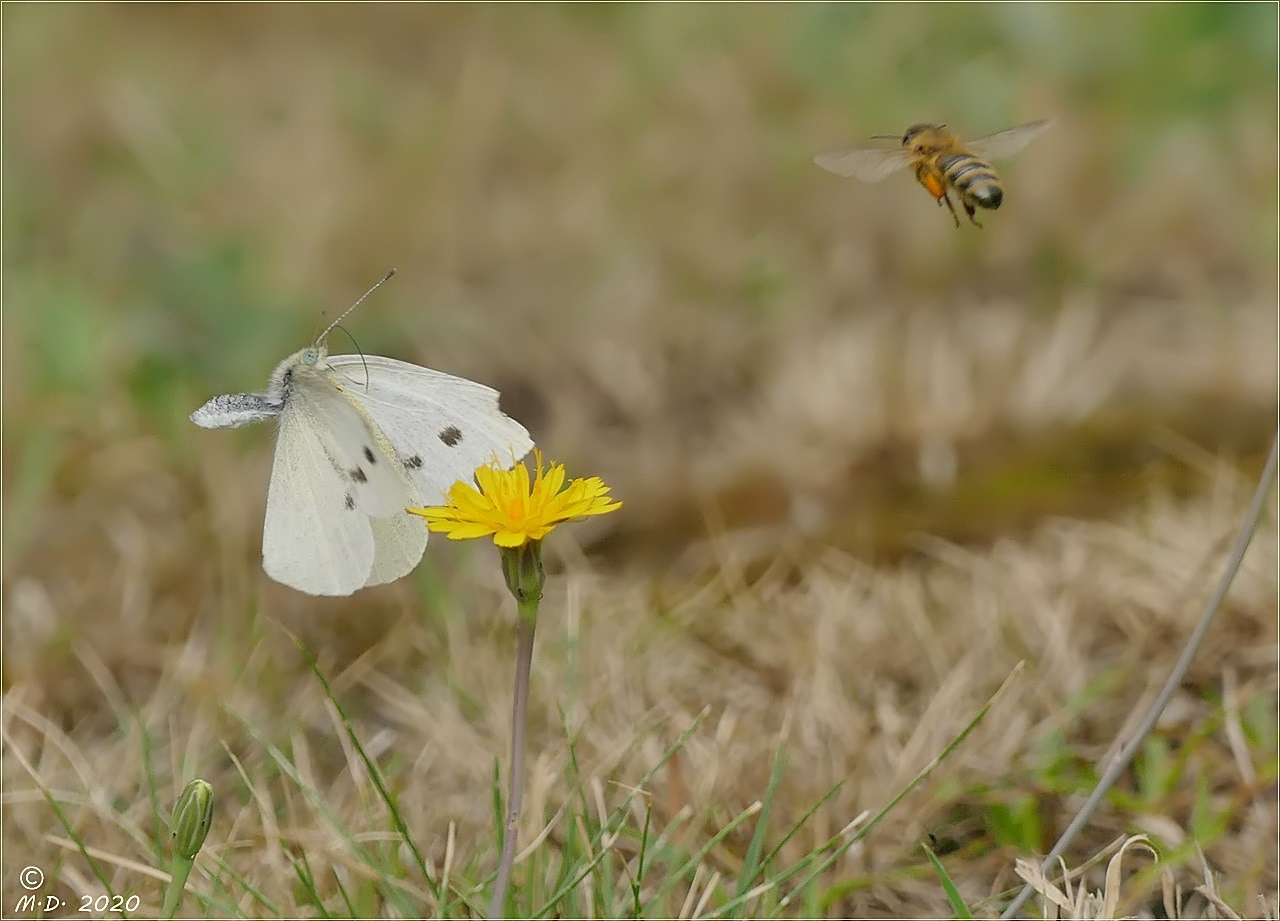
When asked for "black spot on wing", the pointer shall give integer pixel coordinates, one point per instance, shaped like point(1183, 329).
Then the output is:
point(368, 455)
point(451, 435)
point(349, 502)
point(359, 476)
point(413, 463)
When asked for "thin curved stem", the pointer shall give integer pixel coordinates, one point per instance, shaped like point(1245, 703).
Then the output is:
point(1121, 760)
point(528, 622)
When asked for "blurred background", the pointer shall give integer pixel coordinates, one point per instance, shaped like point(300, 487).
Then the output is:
point(611, 214)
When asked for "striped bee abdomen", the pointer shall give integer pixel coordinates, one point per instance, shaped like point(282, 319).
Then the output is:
point(973, 179)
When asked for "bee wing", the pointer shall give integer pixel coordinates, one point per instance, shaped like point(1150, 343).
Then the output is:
point(870, 164)
point(1008, 142)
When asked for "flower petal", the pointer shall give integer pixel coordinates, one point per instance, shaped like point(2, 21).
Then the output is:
point(506, 505)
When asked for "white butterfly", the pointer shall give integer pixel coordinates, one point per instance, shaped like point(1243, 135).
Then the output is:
point(361, 439)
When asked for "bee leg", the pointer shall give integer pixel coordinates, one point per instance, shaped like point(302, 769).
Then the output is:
point(950, 207)
point(970, 210)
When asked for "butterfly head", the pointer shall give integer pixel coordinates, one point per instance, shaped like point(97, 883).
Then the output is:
point(282, 383)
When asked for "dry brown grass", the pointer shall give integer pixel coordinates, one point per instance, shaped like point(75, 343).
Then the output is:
point(870, 464)
point(870, 671)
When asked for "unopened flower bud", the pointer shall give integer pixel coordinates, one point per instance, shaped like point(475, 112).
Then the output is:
point(192, 817)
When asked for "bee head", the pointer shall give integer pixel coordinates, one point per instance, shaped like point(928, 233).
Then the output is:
point(918, 135)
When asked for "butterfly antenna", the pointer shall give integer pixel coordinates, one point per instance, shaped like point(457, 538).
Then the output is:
point(359, 350)
point(359, 301)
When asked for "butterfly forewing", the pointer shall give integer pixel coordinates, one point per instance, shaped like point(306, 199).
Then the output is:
point(377, 483)
point(312, 539)
point(441, 427)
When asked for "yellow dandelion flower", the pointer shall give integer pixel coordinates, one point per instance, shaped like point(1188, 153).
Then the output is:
point(512, 509)
point(518, 514)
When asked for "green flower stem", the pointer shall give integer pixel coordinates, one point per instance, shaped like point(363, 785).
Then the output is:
point(179, 870)
point(522, 567)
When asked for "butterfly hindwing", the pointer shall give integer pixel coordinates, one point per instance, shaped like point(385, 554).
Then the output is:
point(398, 544)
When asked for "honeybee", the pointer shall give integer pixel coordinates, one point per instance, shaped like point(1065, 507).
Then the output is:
point(941, 161)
